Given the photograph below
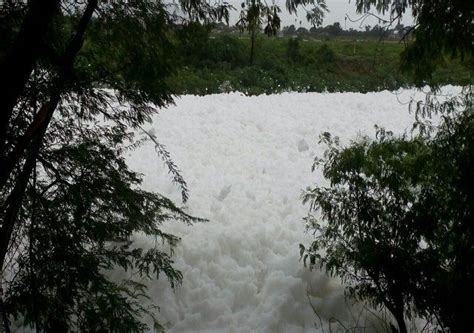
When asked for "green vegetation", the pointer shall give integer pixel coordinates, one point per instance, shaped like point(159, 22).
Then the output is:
point(395, 221)
point(283, 63)
point(69, 205)
point(251, 19)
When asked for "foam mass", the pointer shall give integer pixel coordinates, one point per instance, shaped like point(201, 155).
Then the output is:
point(246, 161)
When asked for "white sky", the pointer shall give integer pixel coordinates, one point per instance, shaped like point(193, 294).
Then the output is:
point(338, 9)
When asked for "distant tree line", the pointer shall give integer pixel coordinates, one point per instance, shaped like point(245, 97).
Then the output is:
point(335, 30)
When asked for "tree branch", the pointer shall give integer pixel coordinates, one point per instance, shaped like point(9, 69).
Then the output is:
point(21, 59)
point(46, 112)
point(16, 196)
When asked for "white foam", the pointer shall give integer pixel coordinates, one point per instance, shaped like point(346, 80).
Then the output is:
point(246, 165)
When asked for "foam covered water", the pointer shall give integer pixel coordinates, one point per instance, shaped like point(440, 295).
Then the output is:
point(246, 161)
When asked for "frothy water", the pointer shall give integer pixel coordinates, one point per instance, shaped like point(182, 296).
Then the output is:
point(246, 161)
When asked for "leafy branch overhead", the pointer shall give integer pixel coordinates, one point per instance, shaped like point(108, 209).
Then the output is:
point(257, 13)
point(79, 78)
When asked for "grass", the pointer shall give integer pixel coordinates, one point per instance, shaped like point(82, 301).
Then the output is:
point(221, 64)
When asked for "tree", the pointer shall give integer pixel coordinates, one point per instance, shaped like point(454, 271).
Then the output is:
point(251, 18)
point(193, 42)
point(334, 29)
point(441, 28)
point(399, 219)
point(68, 204)
point(301, 31)
point(290, 30)
point(445, 214)
point(256, 13)
point(368, 235)
point(398, 214)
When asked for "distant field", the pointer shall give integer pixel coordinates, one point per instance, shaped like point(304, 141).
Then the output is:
point(283, 64)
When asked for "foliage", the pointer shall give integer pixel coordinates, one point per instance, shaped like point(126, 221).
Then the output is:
point(325, 54)
point(255, 13)
point(251, 19)
point(335, 30)
point(192, 42)
point(335, 65)
point(368, 237)
point(441, 28)
point(445, 213)
point(396, 218)
point(80, 80)
point(293, 52)
point(80, 219)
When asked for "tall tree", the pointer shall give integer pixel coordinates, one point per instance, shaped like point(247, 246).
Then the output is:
point(251, 18)
point(68, 204)
point(398, 213)
point(255, 13)
point(398, 219)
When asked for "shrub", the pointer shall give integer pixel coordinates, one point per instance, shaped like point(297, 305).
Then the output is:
point(325, 54)
point(293, 50)
point(397, 220)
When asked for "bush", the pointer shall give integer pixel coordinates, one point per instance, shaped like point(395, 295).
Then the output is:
point(399, 219)
point(228, 50)
point(193, 42)
point(325, 54)
point(293, 50)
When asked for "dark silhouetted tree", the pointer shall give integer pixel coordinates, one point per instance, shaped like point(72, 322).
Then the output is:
point(69, 206)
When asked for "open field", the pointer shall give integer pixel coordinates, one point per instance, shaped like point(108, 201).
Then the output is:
point(286, 64)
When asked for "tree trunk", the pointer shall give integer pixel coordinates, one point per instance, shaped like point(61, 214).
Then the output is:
point(16, 197)
point(67, 61)
point(393, 301)
point(21, 59)
point(400, 318)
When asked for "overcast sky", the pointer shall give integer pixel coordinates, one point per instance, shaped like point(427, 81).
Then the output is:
point(338, 9)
